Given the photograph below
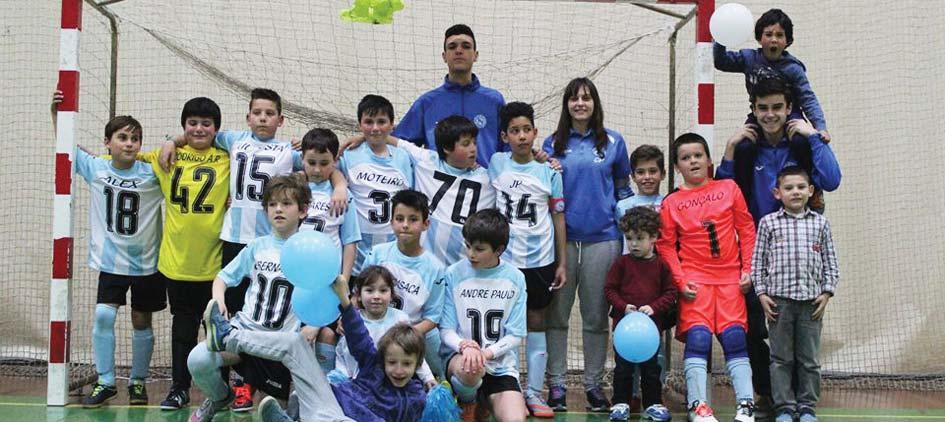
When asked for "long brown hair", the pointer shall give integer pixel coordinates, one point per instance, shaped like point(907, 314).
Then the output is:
point(596, 123)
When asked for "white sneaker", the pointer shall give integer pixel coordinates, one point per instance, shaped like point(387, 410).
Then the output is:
point(745, 411)
point(699, 411)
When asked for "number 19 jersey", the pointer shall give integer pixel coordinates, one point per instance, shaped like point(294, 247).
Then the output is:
point(486, 306)
point(454, 194)
point(124, 216)
point(253, 162)
point(267, 304)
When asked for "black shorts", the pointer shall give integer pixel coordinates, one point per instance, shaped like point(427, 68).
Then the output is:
point(235, 296)
point(270, 376)
point(187, 297)
point(492, 384)
point(148, 293)
point(538, 282)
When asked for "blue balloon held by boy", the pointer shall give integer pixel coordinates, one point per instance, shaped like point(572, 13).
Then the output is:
point(317, 307)
point(310, 260)
point(636, 337)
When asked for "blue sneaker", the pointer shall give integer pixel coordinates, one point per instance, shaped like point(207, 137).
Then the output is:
point(270, 411)
point(807, 415)
point(217, 327)
point(784, 417)
point(620, 412)
point(657, 412)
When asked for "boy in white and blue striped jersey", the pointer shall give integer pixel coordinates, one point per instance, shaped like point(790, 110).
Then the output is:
point(530, 195)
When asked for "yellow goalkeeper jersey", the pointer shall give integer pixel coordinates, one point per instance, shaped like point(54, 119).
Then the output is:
point(195, 192)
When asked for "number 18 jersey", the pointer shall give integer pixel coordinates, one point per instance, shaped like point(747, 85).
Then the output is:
point(124, 217)
point(267, 304)
point(253, 162)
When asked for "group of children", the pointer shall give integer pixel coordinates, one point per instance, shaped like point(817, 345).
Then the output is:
point(451, 264)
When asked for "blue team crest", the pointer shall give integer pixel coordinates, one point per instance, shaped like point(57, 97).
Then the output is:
point(480, 121)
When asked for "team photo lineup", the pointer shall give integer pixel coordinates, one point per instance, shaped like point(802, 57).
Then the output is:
point(435, 262)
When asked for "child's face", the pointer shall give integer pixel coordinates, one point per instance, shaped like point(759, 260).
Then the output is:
point(284, 214)
point(459, 54)
point(199, 132)
point(376, 128)
point(124, 145)
point(581, 106)
point(771, 112)
point(520, 136)
point(647, 176)
point(640, 243)
point(408, 224)
point(463, 154)
point(263, 118)
point(773, 42)
point(375, 297)
point(481, 255)
point(693, 163)
point(793, 191)
point(399, 366)
point(318, 165)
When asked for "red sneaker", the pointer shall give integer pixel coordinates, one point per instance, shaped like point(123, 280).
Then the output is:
point(244, 397)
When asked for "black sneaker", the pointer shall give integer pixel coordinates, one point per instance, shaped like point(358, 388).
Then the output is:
point(137, 393)
point(596, 402)
point(558, 398)
point(101, 393)
point(176, 399)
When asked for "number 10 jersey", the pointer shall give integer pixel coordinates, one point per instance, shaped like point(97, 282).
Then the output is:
point(268, 299)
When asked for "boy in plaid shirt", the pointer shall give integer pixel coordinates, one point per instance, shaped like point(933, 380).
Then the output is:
point(795, 273)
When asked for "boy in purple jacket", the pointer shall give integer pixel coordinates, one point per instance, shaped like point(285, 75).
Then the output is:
point(385, 388)
point(775, 32)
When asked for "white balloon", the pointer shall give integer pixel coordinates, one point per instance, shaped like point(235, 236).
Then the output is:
point(731, 24)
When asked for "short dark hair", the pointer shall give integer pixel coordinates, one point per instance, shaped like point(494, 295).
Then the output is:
point(513, 110)
point(641, 219)
point(200, 107)
point(771, 86)
point(489, 226)
point(772, 17)
point(292, 186)
point(321, 140)
point(372, 273)
point(405, 336)
point(792, 171)
point(449, 130)
point(119, 122)
point(459, 29)
point(688, 138)
point(647, 153)
point(265, 94)
point(373, 105)
point(413, 199)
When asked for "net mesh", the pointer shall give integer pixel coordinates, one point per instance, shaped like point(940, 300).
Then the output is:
point(882, 330)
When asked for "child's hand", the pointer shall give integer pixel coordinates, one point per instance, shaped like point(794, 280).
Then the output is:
point(821, 303)
point(339, 202)
point(629, 308)
point(689, 290)
point(770, 308)
point(473, 360)
point(744, 283)
point(825, 136)
point(57, 97)
point(296, 143)
point(429, 384)
point(646, 309)
point(309, 332)
point(540, 155)
point(167, 157)
point(340, 286)
point(561, 278)
point(350, 143)
point(799, 127)
point(749, 131)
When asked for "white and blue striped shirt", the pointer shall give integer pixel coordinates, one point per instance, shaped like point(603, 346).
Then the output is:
point(342, 229)
point(418, 281)
point(267, 305)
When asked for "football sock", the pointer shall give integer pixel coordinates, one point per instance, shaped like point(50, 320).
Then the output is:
point(465, 393)
point(103, 343)
point(142, 345)
point(326, 356)
point(696, 376)
point(536, 350)
point(740, 371)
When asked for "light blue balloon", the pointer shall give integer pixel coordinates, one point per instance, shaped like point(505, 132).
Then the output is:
point(636, 337)
point(317, 307)
point(310, 260)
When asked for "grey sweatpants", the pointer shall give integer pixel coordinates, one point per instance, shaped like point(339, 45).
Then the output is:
point(316, 400)
point(588, 264)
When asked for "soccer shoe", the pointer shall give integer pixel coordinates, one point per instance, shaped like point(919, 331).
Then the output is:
point(101, 393)
point(620, 412)
point(558, 398)
point(269, 411)
point(784, 417)
point(291, 406)
point(217, 327)
point(658, 413)
point(244, 397)
point(745, 411)
point(208, 408)
point(176, 399)
point(699, 411)
point(137, 393)
point(596, 402)
point(467, 412)
point(807, 415)
point(537, 407)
